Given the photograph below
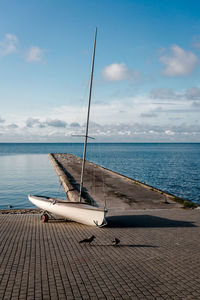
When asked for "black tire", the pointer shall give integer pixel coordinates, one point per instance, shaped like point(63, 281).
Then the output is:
point(45, 218)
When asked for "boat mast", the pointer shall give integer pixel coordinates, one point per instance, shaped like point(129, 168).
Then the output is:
point(88, 116)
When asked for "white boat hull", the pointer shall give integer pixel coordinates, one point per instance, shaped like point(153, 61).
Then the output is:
point(75, 211)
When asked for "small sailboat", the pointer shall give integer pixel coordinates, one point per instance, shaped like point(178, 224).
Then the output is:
point(76, 211)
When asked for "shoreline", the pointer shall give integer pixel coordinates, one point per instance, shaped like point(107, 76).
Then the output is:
point(20, 211)
point(35, 211)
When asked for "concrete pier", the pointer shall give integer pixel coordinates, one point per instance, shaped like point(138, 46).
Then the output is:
point(102, 185)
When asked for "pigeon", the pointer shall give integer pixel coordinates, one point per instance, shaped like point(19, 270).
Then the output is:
point(89, 240)
point(115, 242)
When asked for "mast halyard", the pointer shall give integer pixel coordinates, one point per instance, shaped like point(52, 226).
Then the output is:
point(88, 116)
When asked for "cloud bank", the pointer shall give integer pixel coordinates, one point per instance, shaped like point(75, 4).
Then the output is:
point(191, 94)
point(164, 115)
point(107, 133)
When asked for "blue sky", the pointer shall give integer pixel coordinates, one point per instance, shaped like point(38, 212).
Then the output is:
point(146, 80)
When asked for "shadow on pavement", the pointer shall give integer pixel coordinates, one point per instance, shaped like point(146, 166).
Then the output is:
point(127, 245)
point(144, 221)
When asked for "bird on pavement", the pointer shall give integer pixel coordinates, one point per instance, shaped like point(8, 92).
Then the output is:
point(88, 241)
point(115, 242)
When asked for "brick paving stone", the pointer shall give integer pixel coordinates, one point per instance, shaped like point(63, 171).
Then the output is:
point(159, 258)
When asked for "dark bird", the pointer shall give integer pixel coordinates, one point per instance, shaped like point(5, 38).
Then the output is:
point(115, 242)
point(89, 240)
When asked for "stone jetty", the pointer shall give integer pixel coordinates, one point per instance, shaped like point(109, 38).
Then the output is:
point(105, 186)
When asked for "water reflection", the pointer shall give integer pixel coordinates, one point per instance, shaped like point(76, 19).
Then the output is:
point(26, 174)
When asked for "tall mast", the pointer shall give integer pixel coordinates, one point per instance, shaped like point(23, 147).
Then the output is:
point(88, 116)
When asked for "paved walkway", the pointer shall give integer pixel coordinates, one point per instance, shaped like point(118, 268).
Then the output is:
point(159, 257)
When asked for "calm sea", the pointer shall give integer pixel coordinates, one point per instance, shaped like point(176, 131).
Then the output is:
point(25, 168)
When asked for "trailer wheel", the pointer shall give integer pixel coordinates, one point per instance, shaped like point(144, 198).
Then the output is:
point(45, 218)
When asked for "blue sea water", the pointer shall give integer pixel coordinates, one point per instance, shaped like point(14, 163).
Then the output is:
point(26, 168)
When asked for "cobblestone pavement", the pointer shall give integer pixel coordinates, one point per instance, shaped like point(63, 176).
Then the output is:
point(159, 257)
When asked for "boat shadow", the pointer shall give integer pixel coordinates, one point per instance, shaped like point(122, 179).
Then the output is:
point(144, 221)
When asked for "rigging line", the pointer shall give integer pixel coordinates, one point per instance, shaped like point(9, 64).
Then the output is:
point(102, 176)
point(99, 162)
point(83, 98)
point(58, 191)
point(88, 116)
point(77, 131)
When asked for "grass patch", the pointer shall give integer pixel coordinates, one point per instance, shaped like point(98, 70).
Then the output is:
point(189, 204)
point(129, 200)
point(186, 203)
point(179, 200)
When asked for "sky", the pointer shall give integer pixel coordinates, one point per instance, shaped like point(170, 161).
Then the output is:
point(146, 84)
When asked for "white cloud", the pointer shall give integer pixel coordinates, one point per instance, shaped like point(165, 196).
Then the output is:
point(56, 123)
point(31, 122)
point(169, 132)
point(192, 94)
point(116, 72)
point(35, 54)
point(148, 115)
point(153, 132)
point(12, 126)
point(164, 93)
point(75, 125)
point(8, 45)
point(36, 122)
point(2, 120)
point(179, 62)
